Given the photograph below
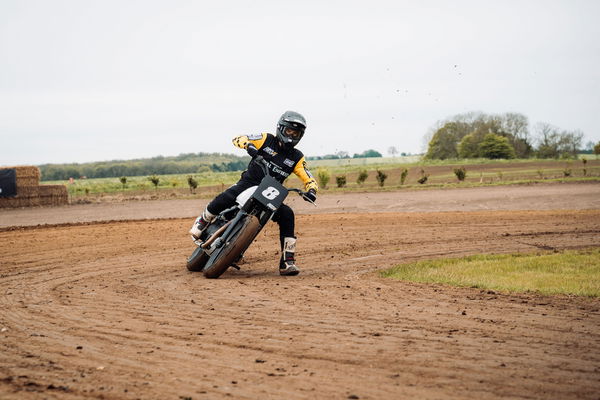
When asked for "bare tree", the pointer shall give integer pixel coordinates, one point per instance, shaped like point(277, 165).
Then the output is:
point(516, 128)
point(515, 124)
point(554, 143)
point(392, 150)
point(571, 142)
point(547, 138)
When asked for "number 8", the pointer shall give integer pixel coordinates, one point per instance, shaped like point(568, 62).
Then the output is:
point(270, 193)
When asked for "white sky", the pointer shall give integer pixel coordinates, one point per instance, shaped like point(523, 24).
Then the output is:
point(85, 80)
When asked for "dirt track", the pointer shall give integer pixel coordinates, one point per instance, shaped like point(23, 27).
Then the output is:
point(107, 310)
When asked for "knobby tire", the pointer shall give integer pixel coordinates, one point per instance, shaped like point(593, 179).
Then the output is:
point(197, 260)
point(236, 246)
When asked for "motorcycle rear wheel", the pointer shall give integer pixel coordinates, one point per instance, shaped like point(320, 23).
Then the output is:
point(234, 247)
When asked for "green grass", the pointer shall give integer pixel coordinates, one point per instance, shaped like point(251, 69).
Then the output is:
point(568, 272)
point(364, 162)
point(82, 187)
point(480, 172)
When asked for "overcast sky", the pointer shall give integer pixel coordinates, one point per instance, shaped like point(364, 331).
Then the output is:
point(86, 80)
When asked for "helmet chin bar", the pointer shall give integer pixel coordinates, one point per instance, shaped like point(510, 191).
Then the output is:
point(288, 145)
point(285, 140)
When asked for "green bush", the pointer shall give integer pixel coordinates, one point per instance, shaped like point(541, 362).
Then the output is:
point(381, 177)
point(567, 170)
point(423, 177)
point(123, 180)
point(340, 181)
point(192, 183)
point(362, 176)
point(403, 176)
point(495, 146)
point(155, 180)
point(323, 176)
point(461, 173)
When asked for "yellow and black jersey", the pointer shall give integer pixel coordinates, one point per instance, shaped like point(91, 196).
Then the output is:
point(282, 162)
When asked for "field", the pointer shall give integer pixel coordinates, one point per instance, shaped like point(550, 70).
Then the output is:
point(440, 174)
point(97, 303)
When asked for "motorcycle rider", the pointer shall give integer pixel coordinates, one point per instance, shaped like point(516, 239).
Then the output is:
point(283, 159)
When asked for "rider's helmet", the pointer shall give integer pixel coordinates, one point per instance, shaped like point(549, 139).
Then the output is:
point(290, 128)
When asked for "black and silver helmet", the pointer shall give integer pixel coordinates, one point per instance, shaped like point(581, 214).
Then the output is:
point(290, 128)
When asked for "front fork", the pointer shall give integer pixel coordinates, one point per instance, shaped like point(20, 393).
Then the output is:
point(216, 243)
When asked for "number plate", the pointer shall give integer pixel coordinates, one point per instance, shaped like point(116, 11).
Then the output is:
point(270, 193)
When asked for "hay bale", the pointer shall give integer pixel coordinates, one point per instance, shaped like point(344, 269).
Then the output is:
point(27, 175)
point(28, 191)
point(53, 195)
point(33, 196)
point(14, 202)
point(52, 190)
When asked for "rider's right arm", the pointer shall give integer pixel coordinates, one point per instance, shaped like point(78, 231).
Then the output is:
point(256, 139)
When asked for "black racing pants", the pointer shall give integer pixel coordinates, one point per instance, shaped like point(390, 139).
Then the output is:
point(284, 215)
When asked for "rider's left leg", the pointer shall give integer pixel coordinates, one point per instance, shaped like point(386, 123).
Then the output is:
point(287, 264)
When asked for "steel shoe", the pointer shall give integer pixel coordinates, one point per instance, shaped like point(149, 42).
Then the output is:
point(289, 269)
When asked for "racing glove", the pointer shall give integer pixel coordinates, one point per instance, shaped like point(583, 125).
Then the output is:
point(310, 196)
point(252, 150)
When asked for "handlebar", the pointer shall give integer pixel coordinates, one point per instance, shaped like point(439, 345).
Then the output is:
point(262, 163)
point(265, 167)
point(303, 195)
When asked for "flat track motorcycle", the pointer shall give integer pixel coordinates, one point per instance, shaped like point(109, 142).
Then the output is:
point(223, 242)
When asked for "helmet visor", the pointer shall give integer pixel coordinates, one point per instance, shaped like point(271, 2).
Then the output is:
point(292, 133)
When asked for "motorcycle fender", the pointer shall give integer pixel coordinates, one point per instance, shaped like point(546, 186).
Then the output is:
point(245, 195)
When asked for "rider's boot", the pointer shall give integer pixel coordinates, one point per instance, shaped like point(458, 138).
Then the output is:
point(287, 264)
point(201, 223)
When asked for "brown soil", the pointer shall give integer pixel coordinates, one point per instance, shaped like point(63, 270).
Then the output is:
point(108, 311)
point(565, 196)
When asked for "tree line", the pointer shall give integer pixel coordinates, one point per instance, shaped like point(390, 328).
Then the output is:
point(340, 155)
point(188, 163)
point(480, 135)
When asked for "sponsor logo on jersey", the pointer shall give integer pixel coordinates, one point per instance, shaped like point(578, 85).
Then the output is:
point(269, 151)
point(277, 169)
point(255, 136)
point(288, 162)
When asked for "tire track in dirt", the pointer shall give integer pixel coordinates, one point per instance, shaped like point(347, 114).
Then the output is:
point(150, 329)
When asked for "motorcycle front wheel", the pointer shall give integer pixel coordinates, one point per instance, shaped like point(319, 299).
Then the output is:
point(235, 246)
point(197, 260)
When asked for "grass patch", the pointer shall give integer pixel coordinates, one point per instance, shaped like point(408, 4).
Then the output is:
point(567, 272)
point(440, 175)
point(83, 187)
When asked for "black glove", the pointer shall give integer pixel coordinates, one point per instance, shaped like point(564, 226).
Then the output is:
point(252, 150)
point(310, 196)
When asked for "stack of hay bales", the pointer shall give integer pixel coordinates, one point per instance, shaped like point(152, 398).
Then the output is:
point(30, 193)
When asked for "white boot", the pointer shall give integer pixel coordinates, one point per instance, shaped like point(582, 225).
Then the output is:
point(287, 265)
point(200, 224)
